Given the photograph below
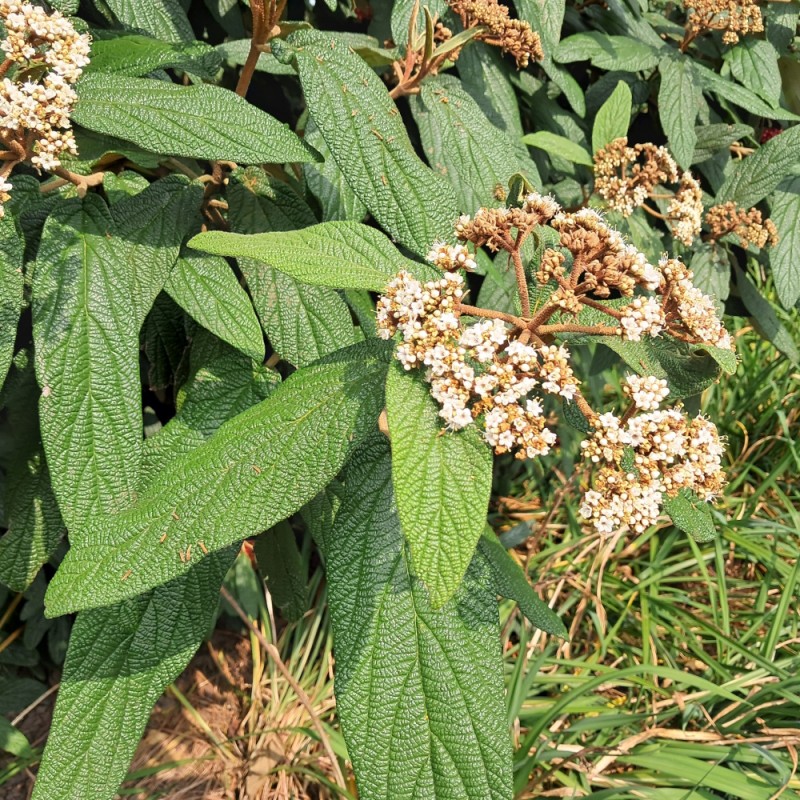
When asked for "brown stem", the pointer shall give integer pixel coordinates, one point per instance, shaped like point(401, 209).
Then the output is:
point(584, 407)
point(5, 66)
point(83, 182)
point(612, 312)
point(474, 311)
point(595, 330)
point(629, 412)
point(275, 655)
point(653, 213)
point(545, 312)
point(522, 283)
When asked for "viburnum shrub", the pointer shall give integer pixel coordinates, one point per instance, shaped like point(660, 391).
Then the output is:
point(296, 272)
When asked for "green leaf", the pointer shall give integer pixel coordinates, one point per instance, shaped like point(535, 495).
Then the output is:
point(284, 570)
point(545, 17)
point(510, 582)
point(784, 258)
point(259, 468)
point(200, 121)
point(235, 53)
point(754, 63)
point(691, 515)
point(163, 19)
point(150, 227)
point(12, 247)
point(419, 690)
point(556, 145)
point(87, 362)
point(164, 334)
point(607, 52)
point(752, 179)
point(613, 118)
point(713, 138)
point(369, 142)
point(712, 270)
point(562, 78)
point(327, 183)
point(303, 322)
point(138, 55)
point(13, 740)
point(764, 317)
point(206, 288)
point(126, 184)
point(442, 482)
point(678, 100)
point(401, 17)
point(343, 255)
point(94, 147)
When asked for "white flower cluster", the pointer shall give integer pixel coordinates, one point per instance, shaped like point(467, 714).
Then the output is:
point(652, 456)
point(34, 114)
point(685, 210)
point(643, 316)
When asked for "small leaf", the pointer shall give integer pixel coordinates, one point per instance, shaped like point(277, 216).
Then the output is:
point(711, 139)
point(607, 52)
point(401, 17)
point(419, 690)
point(546, 17)
point(712, 270)
point(442, 482)
point(678, 100)
point(163, 19)
point(343, 255)
point(784, 258)
point(259, 468)
point(284, 570)
point(556, 145)
point(369, 142)
point(206, 288)
point(613, 118)
point(14, 741)
point(200, 121)
point(691, 515)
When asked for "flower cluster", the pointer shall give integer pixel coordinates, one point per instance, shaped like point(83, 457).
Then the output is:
point(625, 177)
point(642, 459)
point(34, 112)
point(746, 224)
point(513, 36)
point(734, 18)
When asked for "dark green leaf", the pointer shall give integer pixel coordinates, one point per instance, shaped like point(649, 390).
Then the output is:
point(284, 570)
point(11, 290)
point(607, 52)
point(163, 19)
point(754, 63)
point(713, 138)
point(784, 258)
point(678, 99)
point(442, 482)
point(613, 118)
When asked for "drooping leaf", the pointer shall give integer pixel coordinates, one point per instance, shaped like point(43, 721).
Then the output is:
point(369, 142)
point(87, 362)
point(784, 258)
point(343, 255)
point(753, 178)
point(442, 482)
point(459, 142)
point(11, 290)
point(163, 19)
point(613, 117)
point(419, 690)
point(678, 99)
point(691, 515)
point(561, 146)
point(284, 570)
point(259, 468)
point(303, 322)
point(200, 121)
point(206, 288)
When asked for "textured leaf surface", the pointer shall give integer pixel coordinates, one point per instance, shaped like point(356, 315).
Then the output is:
point(678, 100)
point(784, 258)
point(259, 468)
point(343, 255)
point(200, 121)
point(11, 290)
point(302, 322)
point(284, 570)
point(459, 142)
point(691, 515)
point(419, 691)
point(752, 179)
point(719, 136)
point(754, 62)
point(138, 55)
point(607, 52)
point(206, 288)
point(561, 146)
point(442, 481)
point(164, 19)
point(87, 362)
point(613, 117)
point(369, 142)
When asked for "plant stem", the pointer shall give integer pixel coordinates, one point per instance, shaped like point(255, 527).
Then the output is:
point(594, 330)
point(474, 311)
point(522, 283)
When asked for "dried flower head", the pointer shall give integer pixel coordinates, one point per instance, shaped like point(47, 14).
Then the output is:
point(685, 211)
point(746, 224)
point(734, 18)
point(513, 36)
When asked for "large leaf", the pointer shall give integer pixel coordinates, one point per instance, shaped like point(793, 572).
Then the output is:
point(476, 158)
point(442, 481)
point(784, 258)
point(678, 100)
point(752, 179)
point(545, 17)
point(344, 255)
point(200, 121)
point(11, 290)
point(259, 468)
point(150, 227)
point(302, 322)
point(87, 362)
point(713, 138)
point(419, 691)
point(369, 142)
point(607, 52)
point(613, 117)
point(206, 288)
point(754, 63)
point(164, 19)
